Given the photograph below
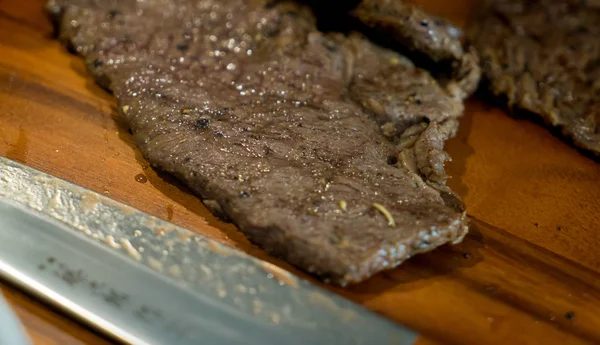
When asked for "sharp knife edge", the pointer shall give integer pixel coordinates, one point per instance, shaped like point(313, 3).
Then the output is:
point(143, 280)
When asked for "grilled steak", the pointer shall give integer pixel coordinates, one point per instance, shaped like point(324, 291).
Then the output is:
point(325, 150)
point(431, 38)
point(543, 57)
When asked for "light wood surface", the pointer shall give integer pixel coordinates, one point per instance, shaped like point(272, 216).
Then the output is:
point(528, 272)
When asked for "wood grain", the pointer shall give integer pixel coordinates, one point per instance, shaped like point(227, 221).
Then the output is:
point(528, 273)
point(45, 326)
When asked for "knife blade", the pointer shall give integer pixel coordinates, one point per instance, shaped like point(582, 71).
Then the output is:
point(142, 280)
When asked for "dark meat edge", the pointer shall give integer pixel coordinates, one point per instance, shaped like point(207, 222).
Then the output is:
point(408, 29)
point(561, 132)
point(514, 108)
point(458, 71)
point(458, 231)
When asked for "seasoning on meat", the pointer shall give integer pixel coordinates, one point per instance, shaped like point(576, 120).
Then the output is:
point(282, 128)
point(386, 213)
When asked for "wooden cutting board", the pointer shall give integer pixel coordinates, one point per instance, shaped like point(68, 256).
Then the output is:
point(528, 272)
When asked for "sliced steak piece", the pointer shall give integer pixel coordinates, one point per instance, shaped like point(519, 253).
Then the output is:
point(543, 57)
point(431, 38)
point(272, 122)
point(399, 95)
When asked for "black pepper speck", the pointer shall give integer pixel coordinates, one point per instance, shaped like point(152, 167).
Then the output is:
point(570, 316)
point(113, 13)
point(202, 123)
point(183, 47)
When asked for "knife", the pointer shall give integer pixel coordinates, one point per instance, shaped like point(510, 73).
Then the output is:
point(142, 280)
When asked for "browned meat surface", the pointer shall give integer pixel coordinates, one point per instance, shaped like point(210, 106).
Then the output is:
point(433, 38)
point(543, 56)
point(325, 150)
